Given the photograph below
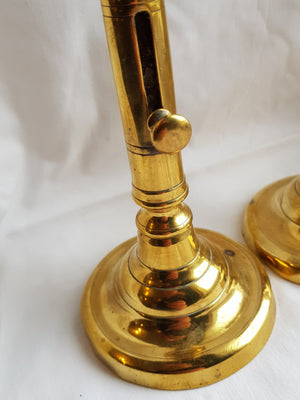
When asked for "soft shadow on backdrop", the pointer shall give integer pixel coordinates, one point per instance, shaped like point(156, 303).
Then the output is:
point(65, 183)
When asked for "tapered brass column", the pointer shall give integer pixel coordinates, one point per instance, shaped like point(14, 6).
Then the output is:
point(272, 227)
point(176, 307)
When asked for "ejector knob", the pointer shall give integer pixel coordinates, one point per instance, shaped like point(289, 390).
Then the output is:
point(170, 132)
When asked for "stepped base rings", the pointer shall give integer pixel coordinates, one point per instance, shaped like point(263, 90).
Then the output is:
point(272, 227)
point(181, 328)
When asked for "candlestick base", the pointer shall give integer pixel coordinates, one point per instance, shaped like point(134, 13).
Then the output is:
point(272, 227)
point(179, 328)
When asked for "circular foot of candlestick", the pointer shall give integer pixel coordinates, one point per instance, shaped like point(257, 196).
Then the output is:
point(272, 228)
point(179, 328)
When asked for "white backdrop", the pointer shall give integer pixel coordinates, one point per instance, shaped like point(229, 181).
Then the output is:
point(65, 183)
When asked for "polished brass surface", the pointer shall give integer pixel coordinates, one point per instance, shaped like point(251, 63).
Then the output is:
point(170, 133)
point(175, 307)
point(272, 227)
point(179, 328)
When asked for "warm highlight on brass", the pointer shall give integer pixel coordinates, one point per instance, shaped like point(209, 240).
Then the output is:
point(175, 307)
point(272, 227)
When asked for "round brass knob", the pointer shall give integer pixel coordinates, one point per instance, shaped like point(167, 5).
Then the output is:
point(170, 132)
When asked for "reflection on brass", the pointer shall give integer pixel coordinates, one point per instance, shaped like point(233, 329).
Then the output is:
point(272, 227)
point(175, 307)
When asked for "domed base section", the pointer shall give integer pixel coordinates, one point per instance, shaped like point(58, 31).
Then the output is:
point(182, 328)
point(273, 235)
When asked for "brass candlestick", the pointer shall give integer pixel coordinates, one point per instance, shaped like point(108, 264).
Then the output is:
point(175, 307)
point(272, 227)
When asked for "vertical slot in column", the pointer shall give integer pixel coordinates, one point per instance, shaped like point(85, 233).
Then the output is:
point(148, 60)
